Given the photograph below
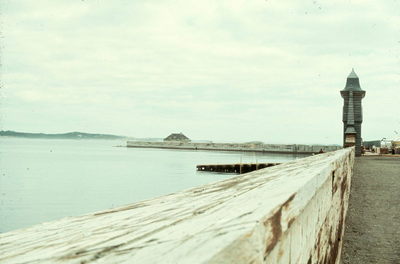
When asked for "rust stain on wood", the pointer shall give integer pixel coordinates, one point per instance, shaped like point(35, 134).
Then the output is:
point(334, 185)
point(335, 240)
point(291, 222)
point(343, 186)
point(287, 203)
point(275, 223)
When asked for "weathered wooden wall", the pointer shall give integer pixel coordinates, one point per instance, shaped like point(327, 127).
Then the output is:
point(290, 213)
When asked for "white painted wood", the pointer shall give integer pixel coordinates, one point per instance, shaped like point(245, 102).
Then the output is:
point(290, 212)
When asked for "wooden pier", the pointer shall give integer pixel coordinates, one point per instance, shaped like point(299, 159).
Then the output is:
point(239, 168)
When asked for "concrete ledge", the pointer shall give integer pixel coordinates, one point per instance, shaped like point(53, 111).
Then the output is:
point(290, 213)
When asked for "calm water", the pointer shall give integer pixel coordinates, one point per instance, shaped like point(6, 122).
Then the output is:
point(43, 180)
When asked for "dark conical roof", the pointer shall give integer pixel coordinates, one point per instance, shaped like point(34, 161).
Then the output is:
point(352, 74)
point(352, 83)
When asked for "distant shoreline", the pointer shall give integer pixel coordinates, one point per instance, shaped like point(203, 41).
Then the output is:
point(69, 135)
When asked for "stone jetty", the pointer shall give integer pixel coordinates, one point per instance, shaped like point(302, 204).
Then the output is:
point(260, 147)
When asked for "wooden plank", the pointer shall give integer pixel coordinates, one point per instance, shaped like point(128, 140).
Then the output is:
point(239, 168)
point(291, 213)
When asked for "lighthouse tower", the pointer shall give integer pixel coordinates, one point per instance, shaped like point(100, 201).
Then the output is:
point(352, 112)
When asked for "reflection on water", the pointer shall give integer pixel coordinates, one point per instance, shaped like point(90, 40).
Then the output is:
point(43, 180)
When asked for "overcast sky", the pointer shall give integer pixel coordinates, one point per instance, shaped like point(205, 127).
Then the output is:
point(219, 70)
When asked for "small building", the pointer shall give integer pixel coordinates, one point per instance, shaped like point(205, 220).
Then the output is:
point(177, 137)
point(372, 143)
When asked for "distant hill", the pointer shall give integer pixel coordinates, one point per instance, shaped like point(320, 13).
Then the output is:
point(70, 135)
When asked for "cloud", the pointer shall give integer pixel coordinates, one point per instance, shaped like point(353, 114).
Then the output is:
point(234, 70)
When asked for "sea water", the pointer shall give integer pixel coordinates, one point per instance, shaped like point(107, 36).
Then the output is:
point(45, 179)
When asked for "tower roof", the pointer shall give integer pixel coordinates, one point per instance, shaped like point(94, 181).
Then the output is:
point(352, 83)
point(352, 74)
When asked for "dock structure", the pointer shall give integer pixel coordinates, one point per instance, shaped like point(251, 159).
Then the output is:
point(239, 168)
point(291, 213)
point(241, 147)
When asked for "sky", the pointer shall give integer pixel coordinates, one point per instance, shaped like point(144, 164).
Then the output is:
point(234, 70)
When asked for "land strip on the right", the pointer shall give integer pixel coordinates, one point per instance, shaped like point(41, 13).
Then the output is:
point(372, 233)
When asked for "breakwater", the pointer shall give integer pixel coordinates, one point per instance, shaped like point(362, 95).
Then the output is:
point(289, 213)
point(270, 148)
